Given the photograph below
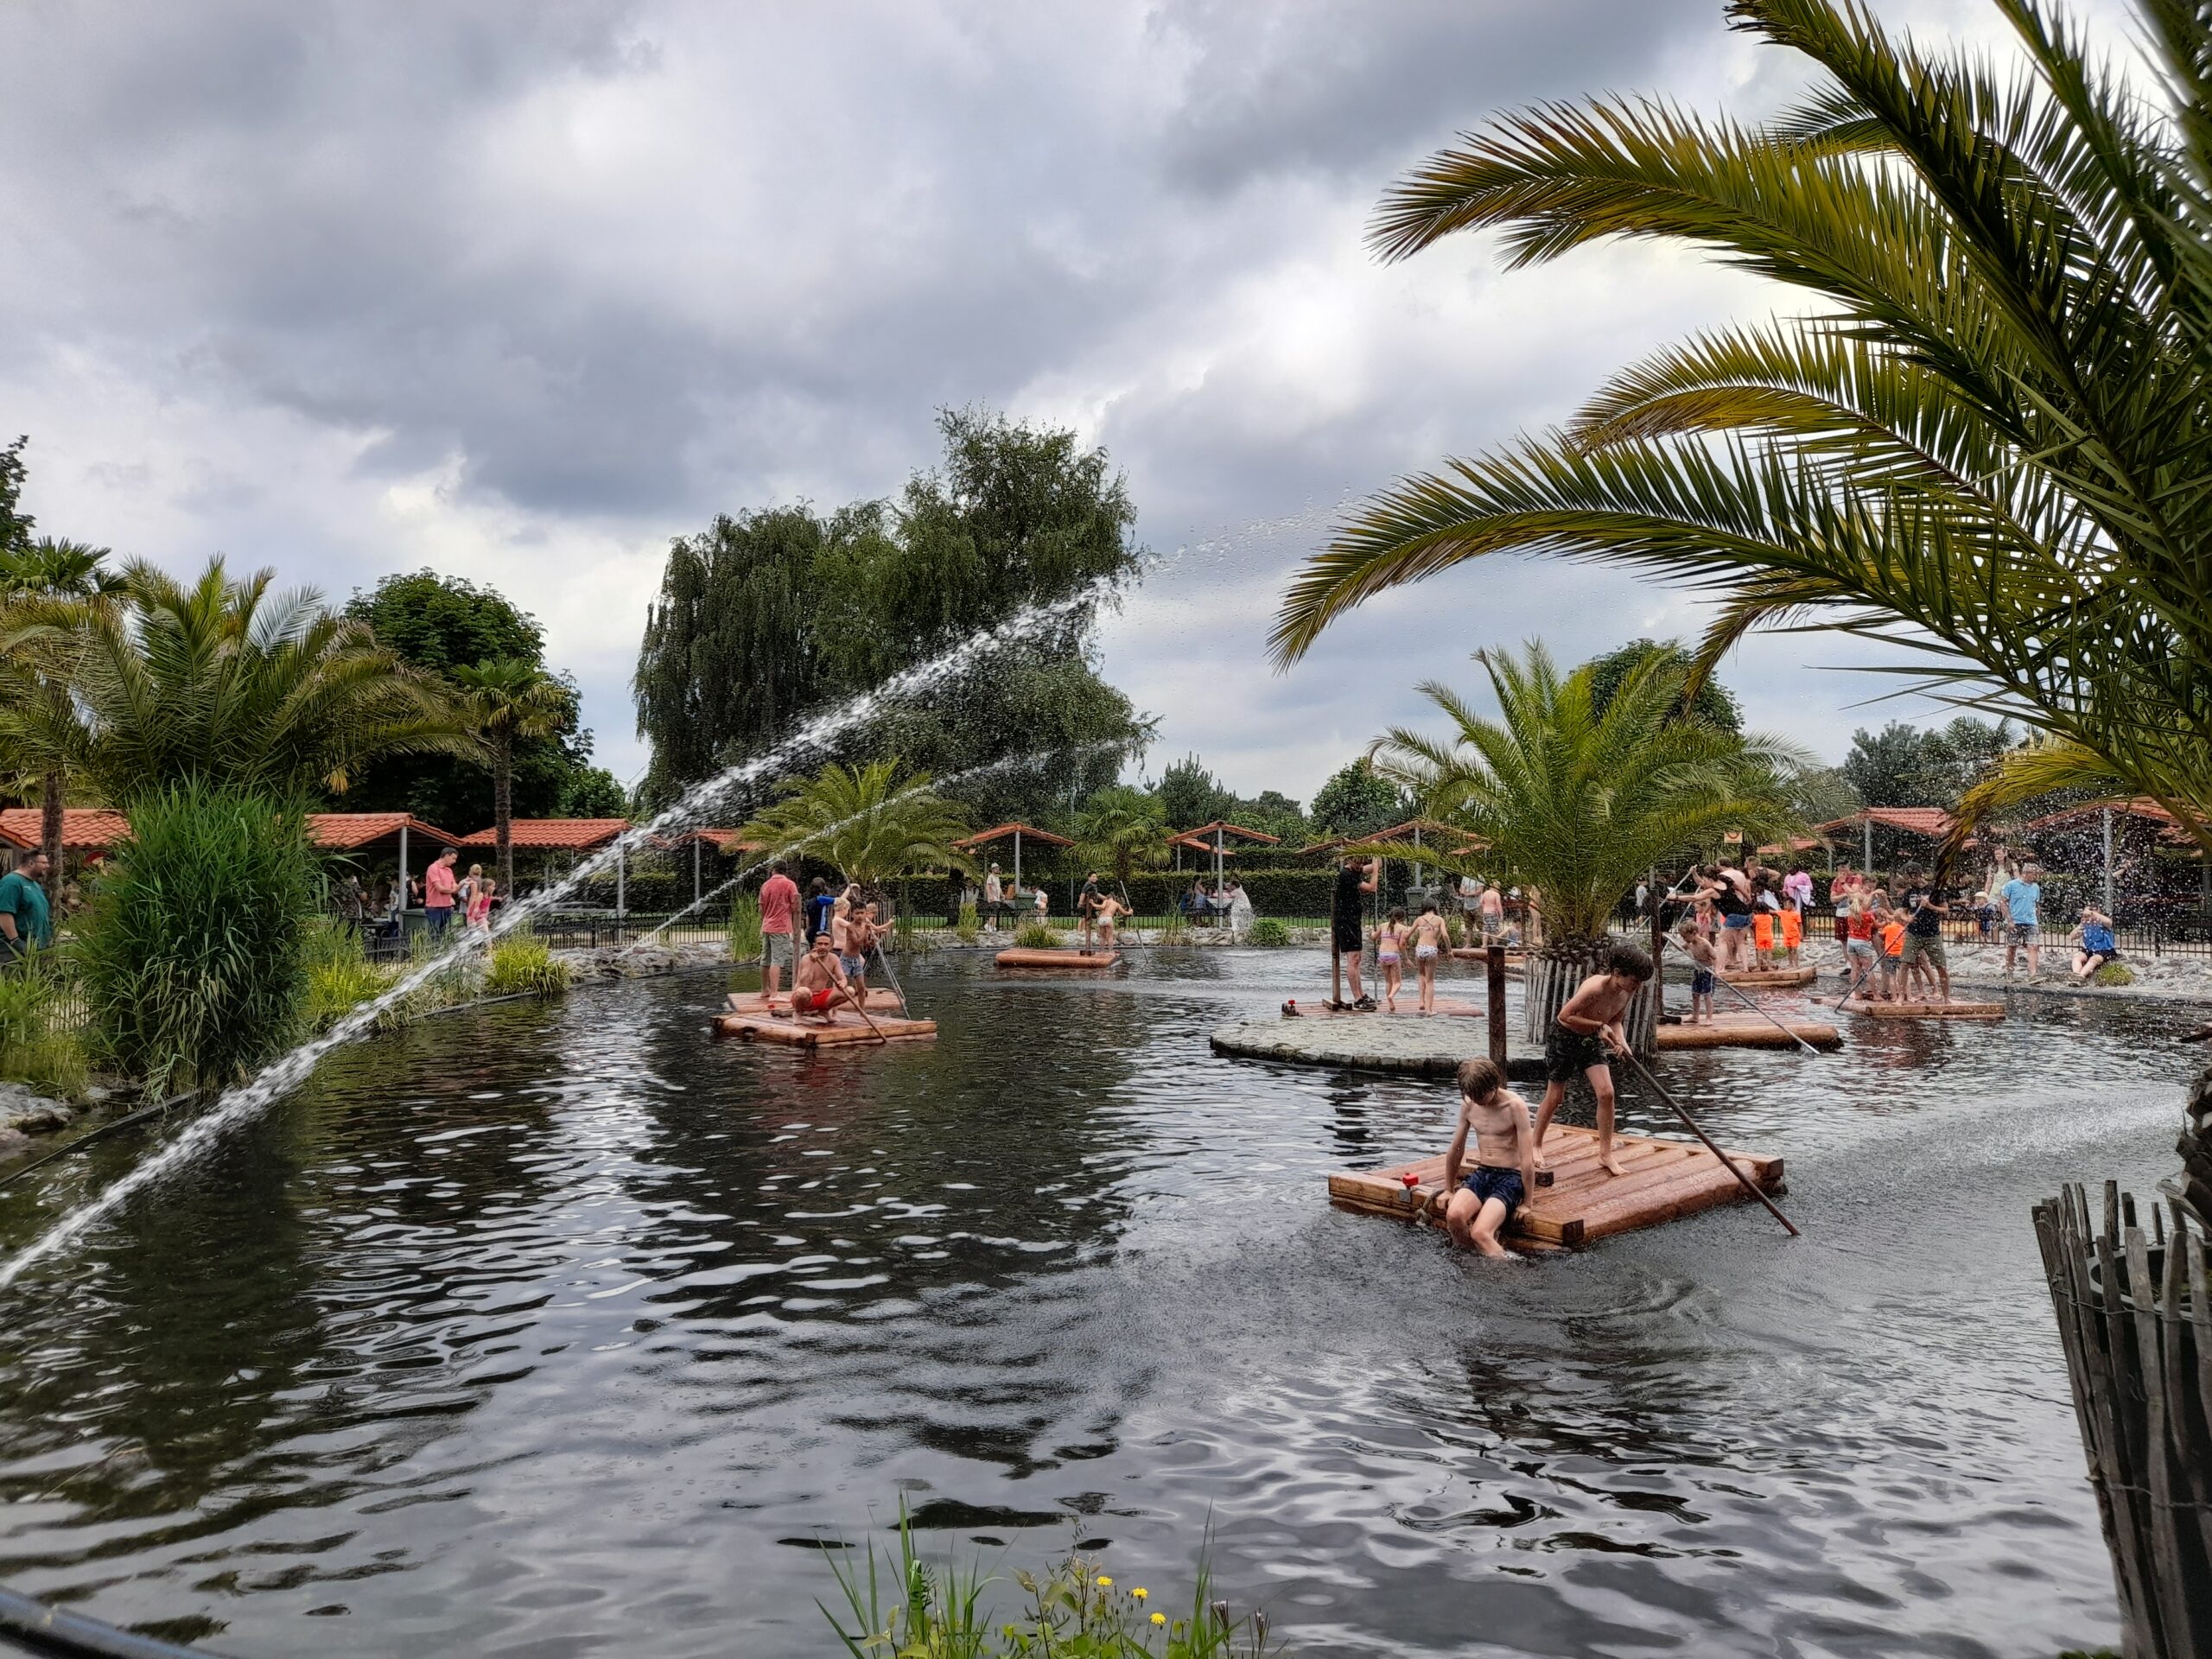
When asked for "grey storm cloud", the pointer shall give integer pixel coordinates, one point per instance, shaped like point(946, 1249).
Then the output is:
point(528, 288)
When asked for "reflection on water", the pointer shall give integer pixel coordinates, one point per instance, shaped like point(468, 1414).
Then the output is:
point(561, 1329)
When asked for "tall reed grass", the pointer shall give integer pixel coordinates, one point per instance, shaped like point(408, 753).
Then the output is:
point(35, 1046)
point(745, 927)
point(192, 948)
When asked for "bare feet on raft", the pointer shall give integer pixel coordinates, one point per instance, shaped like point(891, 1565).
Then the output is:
point(1611, 1163)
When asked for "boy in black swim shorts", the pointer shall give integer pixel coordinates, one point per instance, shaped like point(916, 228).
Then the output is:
point(1498, 1184)
point(1587, 1026)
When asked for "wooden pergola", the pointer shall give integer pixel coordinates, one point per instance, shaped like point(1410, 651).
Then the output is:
point(1928, 823)
point(1213, 838)
point(1017, 833)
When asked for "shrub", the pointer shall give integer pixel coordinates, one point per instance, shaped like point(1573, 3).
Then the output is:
point(907, 1607)
point(35, 1046)
point(1269, 931)
point(521, 964)
point(339, 977)
point(1036, 935)
point(745, 927)
point(2114, 973)
point(192, 945)
point(969, 929)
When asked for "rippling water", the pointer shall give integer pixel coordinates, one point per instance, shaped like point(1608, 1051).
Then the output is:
point(559, 1330)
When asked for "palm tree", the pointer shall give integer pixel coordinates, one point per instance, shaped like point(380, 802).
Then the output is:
point(1121, 829)
point(868, 821)
point(505, 699)
point(221, 683)
point(1578, 804)
point(1986, 441)
point(41, 581)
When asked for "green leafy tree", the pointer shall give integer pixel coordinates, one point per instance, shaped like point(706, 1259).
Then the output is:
point(1908, 766)
point(223, 682)
point(1122, 829)
point(769, 617)
point(507, 701)
point(874, 821)
point(1190, 795)
point(1708, 699)
point(1579, 804)
point(16, 524)
point(1983, 440)
point(1357, 800)
point(441, 623)
point(39, 727)
point(1274, 813)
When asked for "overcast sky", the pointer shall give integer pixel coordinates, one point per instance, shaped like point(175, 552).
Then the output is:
point(519, 291)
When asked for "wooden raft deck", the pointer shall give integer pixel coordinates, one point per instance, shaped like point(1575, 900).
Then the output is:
point(1771, 979)
point(1926, 1010)
point(1738, 1028)
point(1666, 1180)
point(748, 1020)
point(1019, 957)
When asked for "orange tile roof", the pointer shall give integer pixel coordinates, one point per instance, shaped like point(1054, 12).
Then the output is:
point(1226, 828)
point(552, 835)
point(2169, 827)
point(83, 829)
point(1930, 821)
point(1028, 832)
point(343, 832)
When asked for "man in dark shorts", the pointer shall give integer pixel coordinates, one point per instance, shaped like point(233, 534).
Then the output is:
point(1589, 1024)
point(1925, 906)
point(1355, 879)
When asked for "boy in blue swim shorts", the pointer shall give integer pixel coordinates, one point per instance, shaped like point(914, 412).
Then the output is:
point(1506, 1149)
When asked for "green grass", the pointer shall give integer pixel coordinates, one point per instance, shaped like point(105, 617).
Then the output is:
point(35, 1047)
point(1036, 935)
point(2114, 973)
point(339, 977)
point(520, 965)
point(745, 927)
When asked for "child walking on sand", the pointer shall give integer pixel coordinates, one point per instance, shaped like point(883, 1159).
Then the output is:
point(1585, 1027)
point(1504, 1159)
point(1431, 939)
point(1703, 957)
point(1389, 956)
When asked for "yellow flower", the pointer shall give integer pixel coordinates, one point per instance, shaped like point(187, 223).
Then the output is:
point(1159, 1618)
point(1105, 1582)
point(1140, 1592)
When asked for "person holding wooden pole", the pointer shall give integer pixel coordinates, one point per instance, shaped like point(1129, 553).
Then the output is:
point(1587, 1026)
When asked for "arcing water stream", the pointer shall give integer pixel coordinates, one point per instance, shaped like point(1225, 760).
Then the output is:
point(249, 1098)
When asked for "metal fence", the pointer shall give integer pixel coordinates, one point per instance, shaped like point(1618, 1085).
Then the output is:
point(2139, 932)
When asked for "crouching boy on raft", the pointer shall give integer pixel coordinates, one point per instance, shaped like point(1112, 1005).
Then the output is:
point(1505, 1152)
point(1587, 1025)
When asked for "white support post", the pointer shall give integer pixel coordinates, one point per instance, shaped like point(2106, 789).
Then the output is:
point(1867, 825)
point(621, 880)
point(2108, 903)
point(694, 872)
point(402, 879)
point(1017, 864)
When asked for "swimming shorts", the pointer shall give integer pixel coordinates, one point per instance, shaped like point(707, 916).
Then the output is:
point(1568, 1054)
point(1701, 982)
point(1735, 921)
point(1488, 1181)
point(776, 949)
point(853, 966)
point(809, 1001)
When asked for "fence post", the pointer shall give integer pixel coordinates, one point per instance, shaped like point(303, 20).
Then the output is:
point(1494, 977)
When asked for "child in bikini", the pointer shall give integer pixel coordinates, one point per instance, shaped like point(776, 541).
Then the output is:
point(1108, 908)
point(1431, 939)
point(1700, 945)
point(1389, 956)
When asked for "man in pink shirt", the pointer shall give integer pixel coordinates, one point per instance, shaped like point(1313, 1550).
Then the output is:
point(778, 928)
point(439, 887)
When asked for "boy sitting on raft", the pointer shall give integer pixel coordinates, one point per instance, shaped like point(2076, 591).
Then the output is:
point(1587, 1026)
point(1504, 1159)
point(818, 984)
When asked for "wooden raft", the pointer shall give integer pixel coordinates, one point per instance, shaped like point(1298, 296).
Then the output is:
point(1666, 1180)
point(1739, 1030)
point(1770, 978)
point(1926, 1010)
point(748, 1020)
point(1019, 957)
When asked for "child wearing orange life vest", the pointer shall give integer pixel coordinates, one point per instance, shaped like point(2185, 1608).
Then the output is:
point(1891, 934)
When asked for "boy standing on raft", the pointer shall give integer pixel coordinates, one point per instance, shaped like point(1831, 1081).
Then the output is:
point(1587, 1026)
point(1505, 1159)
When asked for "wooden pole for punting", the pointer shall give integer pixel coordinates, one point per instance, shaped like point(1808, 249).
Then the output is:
point(1494, 974)
point(1748, 1002)
point(1697, 1129)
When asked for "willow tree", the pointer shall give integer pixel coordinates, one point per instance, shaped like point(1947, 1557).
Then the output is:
point(1577, 801)
point(1985, 441)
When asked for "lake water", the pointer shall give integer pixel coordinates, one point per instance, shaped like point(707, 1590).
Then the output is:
point(556, 1329)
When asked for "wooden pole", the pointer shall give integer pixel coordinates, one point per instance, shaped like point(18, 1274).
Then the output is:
point(1749, 1002)
point(1697, 1129)
point(1494, 975)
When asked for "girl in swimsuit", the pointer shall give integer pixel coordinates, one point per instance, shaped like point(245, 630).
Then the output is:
point(1108, 908)
point(1430, 940)
point(1389, 954)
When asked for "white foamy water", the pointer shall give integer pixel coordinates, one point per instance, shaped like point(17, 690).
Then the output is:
point(249, 1099)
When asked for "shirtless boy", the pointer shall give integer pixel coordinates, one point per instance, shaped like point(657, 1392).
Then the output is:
point(1108, 908)
point(1086, 909)
point(818, 984)
point(1588, 1025)
point(1702, 983)
point(854, 935)
point(1504, 1159)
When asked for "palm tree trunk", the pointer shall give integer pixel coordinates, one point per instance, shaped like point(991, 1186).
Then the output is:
point(50, 835)
point(503, 806)
point(1554, 971)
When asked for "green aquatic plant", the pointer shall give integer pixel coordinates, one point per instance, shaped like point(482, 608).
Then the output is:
point(1037, 935)
point(1270, 931)
point(2114, 973)
point(969, 929)
point(340, 977)
point(902, 1607)
point(36, 1045)
point(745, 926)
point(522, 965)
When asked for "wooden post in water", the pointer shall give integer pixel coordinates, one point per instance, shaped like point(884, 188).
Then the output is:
point(1658, 952)
point(1494, 975)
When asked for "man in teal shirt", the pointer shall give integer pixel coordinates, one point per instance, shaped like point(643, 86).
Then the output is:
point(25, 923)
